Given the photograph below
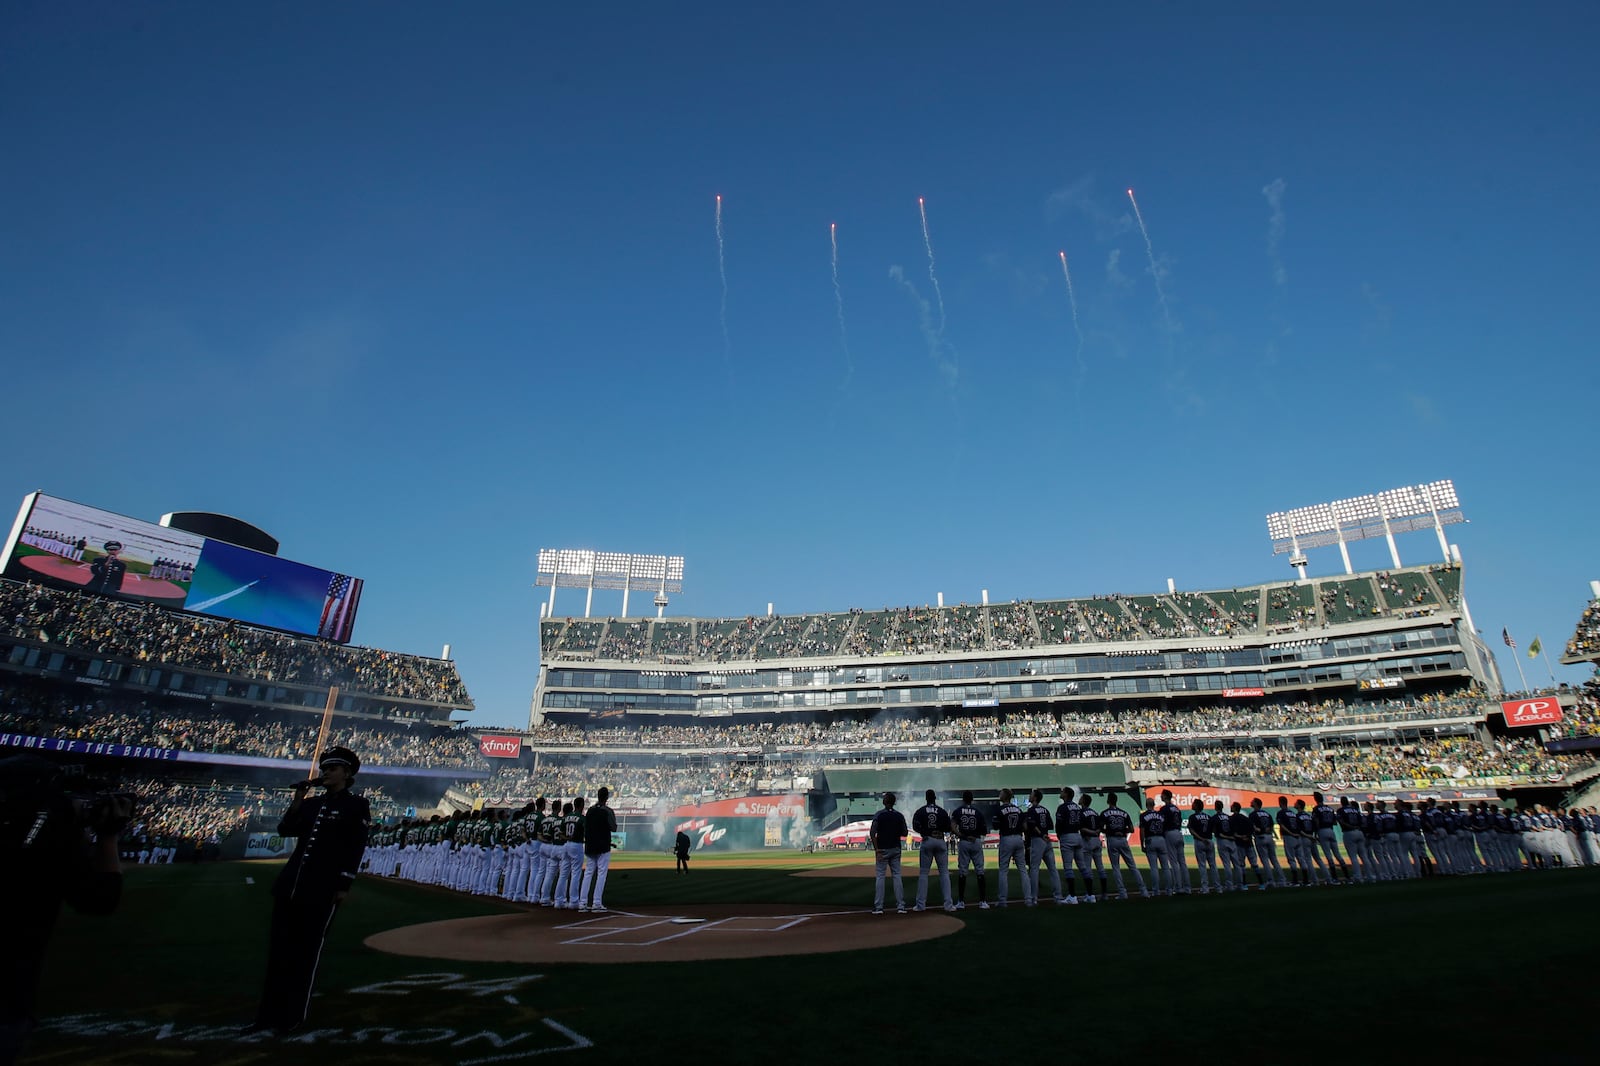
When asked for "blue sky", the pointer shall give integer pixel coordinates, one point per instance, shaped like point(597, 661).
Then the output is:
point(422, 288)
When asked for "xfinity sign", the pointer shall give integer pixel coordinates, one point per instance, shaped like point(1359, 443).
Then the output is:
point(1541, 711)
point(500, 747)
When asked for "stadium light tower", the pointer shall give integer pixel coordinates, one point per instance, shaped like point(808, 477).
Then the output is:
point(582, 568)
point(1360, 517)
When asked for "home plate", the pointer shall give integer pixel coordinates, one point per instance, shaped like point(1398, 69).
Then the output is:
point(687, 921)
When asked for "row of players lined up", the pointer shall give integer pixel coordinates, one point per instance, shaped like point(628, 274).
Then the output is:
point(141, 632)
point(1350, 844)
point(551, 853)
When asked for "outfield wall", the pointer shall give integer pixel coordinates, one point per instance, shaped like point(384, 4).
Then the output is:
point(912, 779)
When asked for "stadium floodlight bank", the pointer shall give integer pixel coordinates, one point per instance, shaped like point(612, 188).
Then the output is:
point(583, 568)
point(1381, 514)
point(1363, 636)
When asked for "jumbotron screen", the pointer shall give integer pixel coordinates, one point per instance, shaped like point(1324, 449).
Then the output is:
point(71, 545)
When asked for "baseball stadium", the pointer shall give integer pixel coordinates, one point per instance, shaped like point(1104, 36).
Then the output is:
point(744, 762)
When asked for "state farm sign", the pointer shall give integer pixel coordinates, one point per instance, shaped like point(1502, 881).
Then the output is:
point(1541, 711)
point(500, 747)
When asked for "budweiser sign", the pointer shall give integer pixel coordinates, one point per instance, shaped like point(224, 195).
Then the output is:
point(1541, 711)
point(500, 747)
point(1241, 693)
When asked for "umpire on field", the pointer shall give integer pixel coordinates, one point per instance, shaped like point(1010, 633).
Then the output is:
point(331, 834)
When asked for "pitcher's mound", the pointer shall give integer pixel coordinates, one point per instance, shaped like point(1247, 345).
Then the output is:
point(656, 934)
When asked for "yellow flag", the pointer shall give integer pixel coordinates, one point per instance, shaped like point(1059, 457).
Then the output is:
point(1533, 649)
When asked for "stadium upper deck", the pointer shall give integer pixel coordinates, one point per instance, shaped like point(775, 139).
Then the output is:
point(1379, 631)
point(125, 646)
point(1584, 644)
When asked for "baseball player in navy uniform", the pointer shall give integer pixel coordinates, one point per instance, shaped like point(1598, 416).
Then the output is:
point(1386, 838)
point(1412, 858)
point(1203, 832)
point(1242, 828)
point(1089, 855)
point(933, 822)
point(1289, 833)
point(1069, 825)
point(1227, 849)
point(1009, 824)
point(888, 834)
point(330, 834)
point(1153, 837)
point(1351, 824)
point(971, 827)
point(1325, 824)
point(1118, 826)
point(1310, 858)
point(1172, 823)
point(599, 822)
point(1506, 840)
point(1038, 828)
point(1266, 850)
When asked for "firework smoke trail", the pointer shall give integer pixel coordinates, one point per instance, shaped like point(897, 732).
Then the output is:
point(1073, 300)
point(927, 242)
point(213, 601)
point(1155, 271)
point(838, 296)
point(722, 272)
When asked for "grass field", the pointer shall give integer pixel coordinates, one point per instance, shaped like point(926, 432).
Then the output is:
point(1483, 969)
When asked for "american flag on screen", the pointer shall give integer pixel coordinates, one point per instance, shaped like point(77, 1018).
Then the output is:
point(1505, 635)
point(339, 607)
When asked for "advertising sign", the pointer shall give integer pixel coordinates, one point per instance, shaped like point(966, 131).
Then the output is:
point(494, 747)
point(267, 846)
point(70, 545)
point(1242, 693)
point(1539, 711)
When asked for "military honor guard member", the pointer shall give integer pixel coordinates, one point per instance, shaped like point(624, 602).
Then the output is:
point(330, 834)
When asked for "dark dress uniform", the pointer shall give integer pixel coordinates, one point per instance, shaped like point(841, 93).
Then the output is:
point(106, 572)
point(331, 832)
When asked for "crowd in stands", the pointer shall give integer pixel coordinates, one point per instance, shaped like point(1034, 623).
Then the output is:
point(1151, 723)
point(1449, 757)
point(1583, 719)
point(1585, 642)
point(514, 785)
point(1000, 627)
point(144, 633)
point(112, 721)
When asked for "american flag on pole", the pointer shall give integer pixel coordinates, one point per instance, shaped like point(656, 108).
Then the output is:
point(1505, 635)
point(339, 607)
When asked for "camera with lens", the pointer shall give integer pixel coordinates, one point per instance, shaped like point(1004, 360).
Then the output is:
point(41, 800)
point(97, 805)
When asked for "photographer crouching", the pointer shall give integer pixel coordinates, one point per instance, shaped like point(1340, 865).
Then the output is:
point(331, 831)
point(57, 845)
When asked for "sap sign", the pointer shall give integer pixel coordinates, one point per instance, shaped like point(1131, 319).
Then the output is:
point(1540, 711)
point(500, 747)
